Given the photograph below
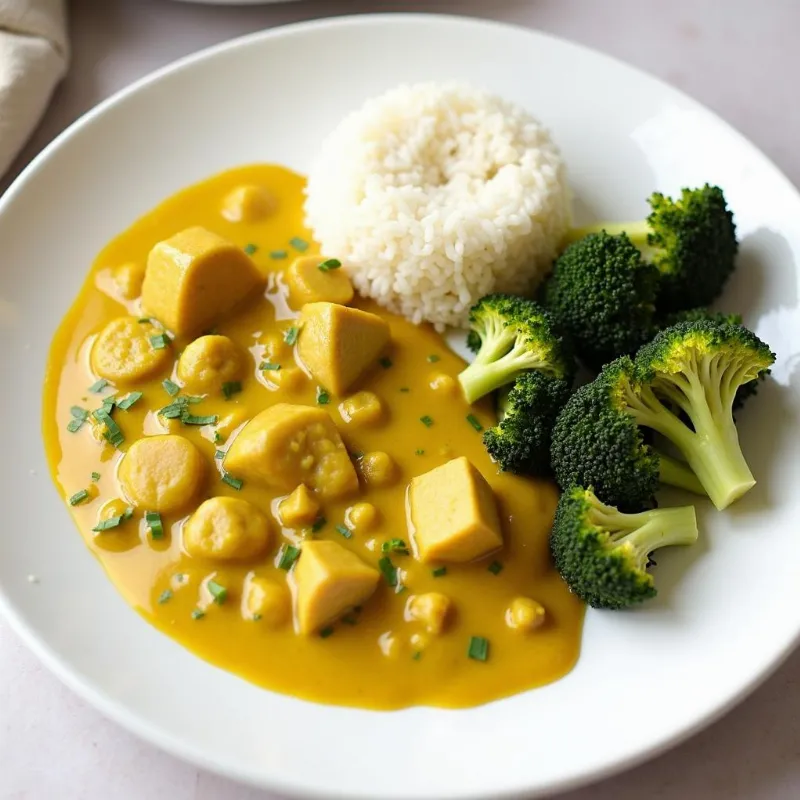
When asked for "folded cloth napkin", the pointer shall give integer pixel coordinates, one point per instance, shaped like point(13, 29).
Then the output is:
point(33, 59)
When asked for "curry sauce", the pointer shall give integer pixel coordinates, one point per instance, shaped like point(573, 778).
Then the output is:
point(381, 654)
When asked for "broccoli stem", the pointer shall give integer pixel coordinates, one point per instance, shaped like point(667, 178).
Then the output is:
point(674, 473)
point(637, 232)
point(479, 379)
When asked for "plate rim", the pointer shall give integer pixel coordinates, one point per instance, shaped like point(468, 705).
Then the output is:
point(110, 707)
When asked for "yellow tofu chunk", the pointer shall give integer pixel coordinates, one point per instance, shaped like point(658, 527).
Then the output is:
point(208, 362)
point(195, 278)
point(248, 203)
point(227, 529)
point(288, 444)
point(265, 601)
point(362, 409)
point(328, 581)
point(338, 344)
point(299, 508)
point(309, 284)
point(123, 351)
point(162, 473)
point(453, 514)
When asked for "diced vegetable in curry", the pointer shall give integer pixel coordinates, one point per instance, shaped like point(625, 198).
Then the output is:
point(285, 477)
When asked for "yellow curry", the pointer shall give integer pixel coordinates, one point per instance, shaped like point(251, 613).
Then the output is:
point(284, 477)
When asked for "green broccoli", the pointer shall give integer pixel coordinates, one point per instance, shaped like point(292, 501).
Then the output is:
point(521, 441)
point(692, 241)
point(603, 294)
point(512, 335)
point(603, 554)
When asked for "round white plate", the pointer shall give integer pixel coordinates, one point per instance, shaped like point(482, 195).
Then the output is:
point(729, 610)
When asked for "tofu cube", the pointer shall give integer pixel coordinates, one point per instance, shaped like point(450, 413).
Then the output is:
point(453, 514)
point(299, 508)
point(309, 284)
point(328, 581)
point(195, 278)
point(286, 445)
point(339, 344)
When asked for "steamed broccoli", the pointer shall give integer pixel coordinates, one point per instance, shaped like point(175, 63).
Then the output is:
point(692, 241)
point(682, 385)
point(512, 335)
point(603, 294)
point(521, 441)
point(603, 554)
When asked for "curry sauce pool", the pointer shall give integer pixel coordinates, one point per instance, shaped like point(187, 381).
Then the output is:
point(402, 418)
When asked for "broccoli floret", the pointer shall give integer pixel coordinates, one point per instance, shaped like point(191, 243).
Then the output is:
point(597, 442)
point(603, 554)
point(692, 241)
point(521, 441)
point(603, 294)
point(512, 335)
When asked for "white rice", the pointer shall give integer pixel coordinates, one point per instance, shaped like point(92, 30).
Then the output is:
point(434, 195)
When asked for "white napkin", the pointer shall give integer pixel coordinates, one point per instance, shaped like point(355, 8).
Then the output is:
point(33, 59)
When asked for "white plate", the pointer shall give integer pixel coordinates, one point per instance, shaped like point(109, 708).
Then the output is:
point(729, 609)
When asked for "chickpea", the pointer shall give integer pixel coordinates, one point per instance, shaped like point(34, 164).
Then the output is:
point(248, 203)
point(209, 362)
point(362, 409)
point(128, 279)
point(443, 384)
point(525, 614)
point(227, 529)
point(432, 610)
point(266, 601)
point(361, 517)
point(379, 468)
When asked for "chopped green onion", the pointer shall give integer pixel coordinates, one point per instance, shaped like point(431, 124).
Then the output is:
point(299, 244)
point(126, 403)
point(290, 335)
point(256, 617)
point(389, 570)
point(319, 524)
point(268, 366)
point(165, 596)
point(395, 546)
point(419, 452)
point(74, 425)
point(114, 522)
point(218, 591)
point(95, 476)
point(417, 655)
point(250, 248)
point(439, 571)
point(433, 358)
point(495, 567)
point(198, 614)
point(193, 419)
point(345, 531)
point(220, 454)
point(230, 388)
point(113, 433)
point(153, 521)
point(426, 421)
point(326, 632)
point(404, 389)
point(160, 341)
point(478, 648)
point(277, 254)
point(385, 362)
point(235, 483)
point(357, 454)
point(79, 413)
point(79, 497)
point(288, 555)
point(323, 398)
point(172, 411)
point(331, 263)
point(473, 420)
point(98, 386)
point(218, 438)
point(144, 320)
point(170, 387)
point(350, 619)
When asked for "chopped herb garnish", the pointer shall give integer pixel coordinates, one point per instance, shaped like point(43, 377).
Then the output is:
point(329, 264)
point(79, 497)
point(74, 425)
point(344, 530)
point(385, 362)
point(220, 454)
point(478, 648)
point(357, 454)
point(404, 389)
point(230, 388)
point(165, 596)
point(153, 521)
point(319, 524)
point(433, 358)
point(439, 571)
point(198, 614)
point(218, 592)
point(218, 438)
point(495, 567)
point(95, 476)
point(350, 619)
point(126, 403)
point(426, 421)
point(172, 411)
point(235, 483)
point(170, 387)
point(326, 632)
point(417, 655)
point(144, 320)
point(288, 555)
point(323, 398)
point(268, 366)
point(114, 522)
point(79, 413)
point(389, 570)
point(193, 419)
point(473, 420)
point(395, 546)
point(419, 452)
point(250, 248)
point(256, 617)
point(113, 433)
point(276, 254)
point(299, 244)
point(160, 341)
point(98, 386)
point(290, 335)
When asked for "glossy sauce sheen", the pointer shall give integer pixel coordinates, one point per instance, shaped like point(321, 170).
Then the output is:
point(382, 661)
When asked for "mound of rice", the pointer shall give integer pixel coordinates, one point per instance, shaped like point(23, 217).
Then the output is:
point(433, 195)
